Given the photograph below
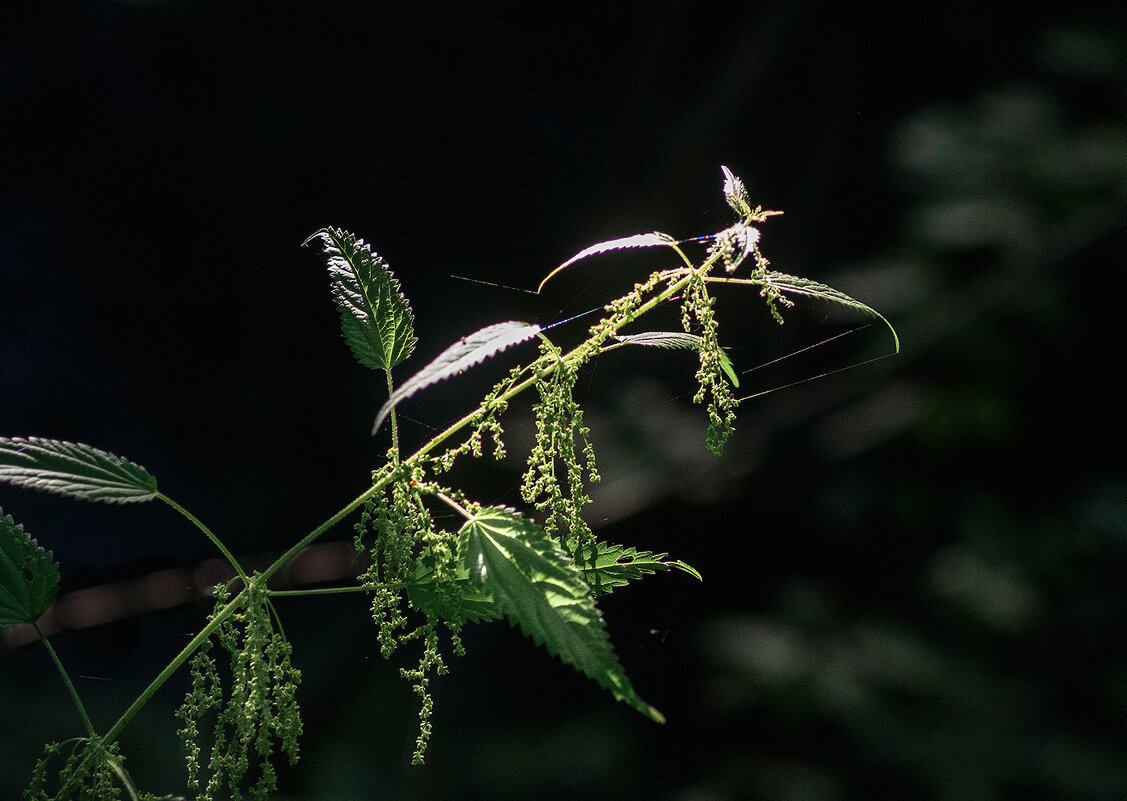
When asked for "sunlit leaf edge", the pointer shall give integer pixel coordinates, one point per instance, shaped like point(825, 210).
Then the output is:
point(73, 469)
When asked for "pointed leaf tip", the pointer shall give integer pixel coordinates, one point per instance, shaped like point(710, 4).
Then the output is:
point(540, 589)
point(736, 194)
point(74, 469)
point(375, 317)
point(468, 351)
point(636, 241)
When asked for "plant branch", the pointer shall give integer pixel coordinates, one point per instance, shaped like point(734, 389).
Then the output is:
point(66, 680)
point(231, 560)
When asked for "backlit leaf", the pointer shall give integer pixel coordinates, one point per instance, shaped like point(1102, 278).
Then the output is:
point(73, 469)
point(465, 353)
point(29, 575)
point(677, 340)
point(736, 194)
point(635, 241)
point(541, 590)
point(374, 314)
point(803, 286)
point(614, 566)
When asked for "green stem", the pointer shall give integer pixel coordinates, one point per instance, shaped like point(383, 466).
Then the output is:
point(207, 532)
point(305, 541)
point(66, 680)
point(174, 665)
point(453, 504)
point(394, 422)
point(316, 591)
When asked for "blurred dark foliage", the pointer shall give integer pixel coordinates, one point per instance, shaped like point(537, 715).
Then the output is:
point(913, 569)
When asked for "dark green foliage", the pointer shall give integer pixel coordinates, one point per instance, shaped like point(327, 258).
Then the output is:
point(374, 315)
point(541, 590)
point(29, 575)
point(554, 480)
point(73, 469)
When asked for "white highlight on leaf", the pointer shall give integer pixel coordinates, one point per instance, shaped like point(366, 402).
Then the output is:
point(465, 353)
point(636, 241)
point(678, 340)
point(74, 469)
point(662, 339)
point(781, 282)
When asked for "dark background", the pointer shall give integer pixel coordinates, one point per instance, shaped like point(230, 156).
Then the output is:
point(913, 569)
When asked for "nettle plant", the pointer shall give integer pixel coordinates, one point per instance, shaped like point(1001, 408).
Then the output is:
point(542, 571)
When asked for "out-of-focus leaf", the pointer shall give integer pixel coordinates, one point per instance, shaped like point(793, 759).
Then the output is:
point(540, 589)
point(374, 314)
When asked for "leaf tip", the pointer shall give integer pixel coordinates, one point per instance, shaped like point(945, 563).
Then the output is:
point(314, 235)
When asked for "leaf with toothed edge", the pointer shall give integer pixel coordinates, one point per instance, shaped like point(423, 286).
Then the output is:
point(74, 469)
point(636, 241)
point(375, 318)
point(783, 282)
point(677, 340)
point(29, 575)
point(540, 589)
point(465, 353)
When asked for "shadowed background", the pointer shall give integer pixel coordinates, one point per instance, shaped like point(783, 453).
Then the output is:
point(912, 569)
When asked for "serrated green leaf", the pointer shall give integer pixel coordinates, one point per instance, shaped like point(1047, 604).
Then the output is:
point(654, 239)
point(74, 469)
point(540, 589)
point(614, 566)
point(670, 340)
point(783, 282)
point(468, 351)
point(376, 319)
point(677, 340)
point(29, 575)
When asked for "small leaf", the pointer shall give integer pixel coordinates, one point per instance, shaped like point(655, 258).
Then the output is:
point(803, 286)
point(736, 194)
point(374, 314)
point(29, 575)
point(635, 241)
point(540, 589)
point(465, 353)
point(677, 340)
point(73, 469)
point(615, 566)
